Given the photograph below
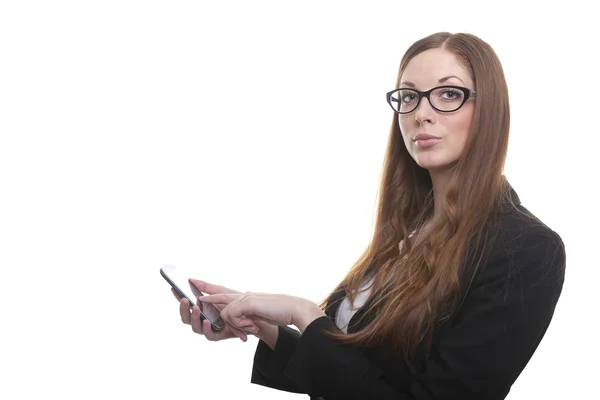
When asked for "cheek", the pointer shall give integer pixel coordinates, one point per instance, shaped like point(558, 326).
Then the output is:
point(404, 123)
point(458, 125)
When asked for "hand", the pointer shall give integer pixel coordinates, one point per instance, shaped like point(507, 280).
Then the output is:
point(203, 327)
point(249, 309)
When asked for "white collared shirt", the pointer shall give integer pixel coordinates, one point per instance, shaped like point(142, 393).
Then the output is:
point(346, 310)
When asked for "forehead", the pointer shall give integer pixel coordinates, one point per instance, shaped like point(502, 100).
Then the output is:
point(427, 68)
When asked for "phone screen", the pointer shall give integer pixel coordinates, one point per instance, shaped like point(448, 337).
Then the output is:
point(179, 278)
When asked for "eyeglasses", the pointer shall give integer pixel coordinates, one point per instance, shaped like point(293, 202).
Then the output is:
point(441, 98)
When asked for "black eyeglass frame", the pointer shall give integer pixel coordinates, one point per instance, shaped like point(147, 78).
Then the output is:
point(468, 93)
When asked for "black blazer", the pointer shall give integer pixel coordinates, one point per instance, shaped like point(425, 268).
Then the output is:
point(478, 355)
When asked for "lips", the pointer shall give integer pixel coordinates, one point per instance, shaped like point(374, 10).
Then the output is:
point(425, 140)
point(424, 136)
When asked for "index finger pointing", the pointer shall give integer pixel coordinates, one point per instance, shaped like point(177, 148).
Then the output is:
point(218, 298)
point(210, 288)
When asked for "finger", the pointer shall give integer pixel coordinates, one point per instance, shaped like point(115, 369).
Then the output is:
point(177, 296)
point(184, 311)
point(225, 333)
point(248, 309)
point(210, 288)
point(241, 327)
point(253, 329)
point(242, 308)
point(195, 322)
point(239, 333)
point(223, 298)
point(208, 332)
point(218, 306)
point(241, 322)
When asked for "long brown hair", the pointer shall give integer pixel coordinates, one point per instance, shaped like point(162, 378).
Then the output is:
point(421, 287)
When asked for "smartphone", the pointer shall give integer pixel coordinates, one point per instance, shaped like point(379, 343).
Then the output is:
point(179, 280)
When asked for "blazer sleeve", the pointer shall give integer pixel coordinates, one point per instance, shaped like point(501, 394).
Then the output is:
point(269, 365)
point(479, 356)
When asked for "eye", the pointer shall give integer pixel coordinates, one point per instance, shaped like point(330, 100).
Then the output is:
point(408, 97)
point(451, 94)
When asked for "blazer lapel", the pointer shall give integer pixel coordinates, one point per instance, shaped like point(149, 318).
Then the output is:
point(334, 303)
point(359, 320)
point(363, 316)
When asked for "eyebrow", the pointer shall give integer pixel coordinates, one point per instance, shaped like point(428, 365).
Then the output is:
point(441, 80)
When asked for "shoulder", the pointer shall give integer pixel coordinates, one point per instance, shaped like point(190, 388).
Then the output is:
point(525, 247)
point(517, 284)
point(522, 234)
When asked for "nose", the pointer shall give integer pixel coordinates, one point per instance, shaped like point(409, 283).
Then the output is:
point(424, 112)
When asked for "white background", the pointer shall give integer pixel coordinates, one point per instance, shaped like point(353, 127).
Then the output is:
point(243, 141)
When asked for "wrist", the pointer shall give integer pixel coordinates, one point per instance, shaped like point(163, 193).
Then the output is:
point(263, 326)
point(267, 333)
point(307, 312)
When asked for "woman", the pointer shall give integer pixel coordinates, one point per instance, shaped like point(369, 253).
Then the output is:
point(459, 282)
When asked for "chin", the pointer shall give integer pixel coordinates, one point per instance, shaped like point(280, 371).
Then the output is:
point(433, 164)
